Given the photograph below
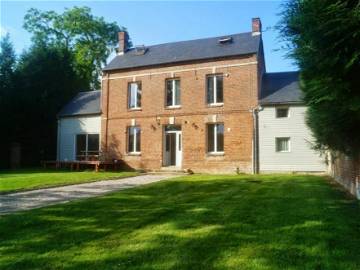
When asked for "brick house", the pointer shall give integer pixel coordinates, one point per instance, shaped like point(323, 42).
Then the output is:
point(186, 105)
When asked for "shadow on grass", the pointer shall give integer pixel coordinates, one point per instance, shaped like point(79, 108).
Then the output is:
point(199, 222)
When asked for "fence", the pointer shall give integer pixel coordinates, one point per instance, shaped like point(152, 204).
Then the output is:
point(346, 171)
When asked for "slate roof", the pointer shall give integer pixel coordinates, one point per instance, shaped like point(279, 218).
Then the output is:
point(83, 103)
point(199, 49)
point(281, 88)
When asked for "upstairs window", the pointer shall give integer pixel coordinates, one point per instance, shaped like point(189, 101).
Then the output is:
point(134, 95)
point(172, 92)
point(282, 112)
point(214, 89)
point(215, 138)
point(134, 140)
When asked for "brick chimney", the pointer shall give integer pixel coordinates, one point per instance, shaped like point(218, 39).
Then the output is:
point(123, 40)
point(256, 26)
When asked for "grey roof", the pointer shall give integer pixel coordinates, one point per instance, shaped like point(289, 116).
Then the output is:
point(82, 104)
point(281, 88)
point(206, 48)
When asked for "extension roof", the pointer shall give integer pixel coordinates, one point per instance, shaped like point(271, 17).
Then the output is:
point(84, 103)
point(281, 88)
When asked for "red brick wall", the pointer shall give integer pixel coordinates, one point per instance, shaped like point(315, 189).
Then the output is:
point(240, 96)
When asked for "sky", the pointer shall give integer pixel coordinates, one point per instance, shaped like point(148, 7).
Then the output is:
point(159, 22)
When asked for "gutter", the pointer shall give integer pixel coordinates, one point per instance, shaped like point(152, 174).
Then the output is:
point(255, 161)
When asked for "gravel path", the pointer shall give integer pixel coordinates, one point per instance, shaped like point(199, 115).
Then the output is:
point(42, 197)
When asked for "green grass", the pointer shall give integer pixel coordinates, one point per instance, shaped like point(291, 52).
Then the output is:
point(11, 181)
point(196, 222)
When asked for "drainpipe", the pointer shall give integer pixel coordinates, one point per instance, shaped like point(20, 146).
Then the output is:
point(58, 148)
point(255, 113)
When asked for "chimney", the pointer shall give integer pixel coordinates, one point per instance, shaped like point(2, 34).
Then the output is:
point(123, 40)
point(256, 26)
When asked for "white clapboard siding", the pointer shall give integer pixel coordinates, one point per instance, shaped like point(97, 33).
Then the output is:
point(67, 130)
point(301, 157)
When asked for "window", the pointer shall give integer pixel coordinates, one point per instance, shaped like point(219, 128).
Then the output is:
point(172, 92)
point(87, 146)
point(134, 95)
point(134, 139)
point(215, 138)
point(282, 112)
point(282, 144)
point(214, 92)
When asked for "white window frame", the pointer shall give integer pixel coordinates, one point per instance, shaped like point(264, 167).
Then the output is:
point(213, 76)
point(136, 96)
point(215, 152)
point(281, 108)
point(173, 89)
point(276, 145)
point(134, 141)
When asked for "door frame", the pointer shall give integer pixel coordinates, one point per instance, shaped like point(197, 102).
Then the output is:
point(177, 142)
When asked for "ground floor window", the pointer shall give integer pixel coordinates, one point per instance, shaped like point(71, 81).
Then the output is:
point(215, 138)
point(87, 146)
point(134, 140)
point(282, 144)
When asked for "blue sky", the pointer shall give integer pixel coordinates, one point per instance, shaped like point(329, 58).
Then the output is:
point(165, 21)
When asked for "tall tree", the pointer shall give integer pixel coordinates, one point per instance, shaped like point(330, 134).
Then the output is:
point(7, 63)
point(91, 38)
point(323, 38)
point(7, 79)
point(46, 81)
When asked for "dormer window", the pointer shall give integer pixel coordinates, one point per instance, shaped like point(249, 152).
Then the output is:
point(225, 40)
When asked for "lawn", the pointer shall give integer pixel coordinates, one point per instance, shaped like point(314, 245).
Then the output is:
point(20, 180)
point(193, 222)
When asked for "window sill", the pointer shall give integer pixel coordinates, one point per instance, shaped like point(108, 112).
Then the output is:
point(134, 154)
point(216, 105)
point(216, 154)
point(173, 107)
point(134, 109)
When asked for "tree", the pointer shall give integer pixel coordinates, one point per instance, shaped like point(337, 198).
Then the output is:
point(7, 63)
point(7, 79)
point(323, 38)
point(46, 81)
point(90, 38)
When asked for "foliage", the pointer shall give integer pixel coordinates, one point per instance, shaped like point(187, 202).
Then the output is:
point(323, 38)
point(90, 38)
point(65, 57)
point(197, 222)
point(26, 179)
point(7, 87)
point(46, 81)
point(7, 63)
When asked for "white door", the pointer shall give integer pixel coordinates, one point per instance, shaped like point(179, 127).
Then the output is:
point(173, 148)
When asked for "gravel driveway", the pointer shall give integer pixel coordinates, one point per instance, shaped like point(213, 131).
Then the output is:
point(42, 197)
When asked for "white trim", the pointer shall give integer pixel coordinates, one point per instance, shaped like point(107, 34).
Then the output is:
point(216, 152)
point(136, 97)
point(182, 70)
point(135, 152)
point(215, 103)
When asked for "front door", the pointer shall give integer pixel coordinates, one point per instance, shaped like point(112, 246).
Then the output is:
point(173, 146)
